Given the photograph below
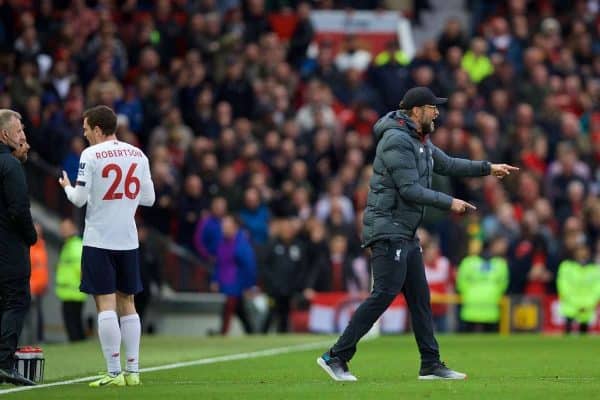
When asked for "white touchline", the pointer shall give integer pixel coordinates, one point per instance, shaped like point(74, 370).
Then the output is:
point(202, 361)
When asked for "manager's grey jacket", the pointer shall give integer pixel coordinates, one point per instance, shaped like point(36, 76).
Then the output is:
point(400, 186)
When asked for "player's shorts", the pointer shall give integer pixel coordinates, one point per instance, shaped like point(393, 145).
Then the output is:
point(106, 271)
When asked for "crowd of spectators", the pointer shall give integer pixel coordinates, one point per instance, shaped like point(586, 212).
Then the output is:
point(237, 119)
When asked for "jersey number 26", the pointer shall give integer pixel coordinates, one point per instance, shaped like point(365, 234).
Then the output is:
point(130, 181)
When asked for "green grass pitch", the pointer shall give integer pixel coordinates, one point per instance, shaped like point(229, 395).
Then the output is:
point(515, 367)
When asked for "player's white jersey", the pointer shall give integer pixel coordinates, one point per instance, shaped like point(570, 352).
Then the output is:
point(113, 178)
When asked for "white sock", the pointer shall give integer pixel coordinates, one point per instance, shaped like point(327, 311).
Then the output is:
point(131, 331)
point(110, 340)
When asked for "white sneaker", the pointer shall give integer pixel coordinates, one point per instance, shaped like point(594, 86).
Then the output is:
point(336, 368)
point(440, 371)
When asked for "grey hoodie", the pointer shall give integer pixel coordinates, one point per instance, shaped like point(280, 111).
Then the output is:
point(400, 187)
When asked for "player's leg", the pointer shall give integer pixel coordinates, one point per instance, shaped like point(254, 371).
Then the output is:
point(416, 292)
point(131, 332)
point(389, 271)
point(98, 279)
point(129, 283)
point(417, 296)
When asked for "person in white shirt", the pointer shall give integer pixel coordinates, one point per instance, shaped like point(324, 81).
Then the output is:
point(113, 179)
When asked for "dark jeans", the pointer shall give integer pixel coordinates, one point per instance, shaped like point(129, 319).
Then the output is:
point(71, 311)
point(14, 303)
point(397, 267)
point(280, 309)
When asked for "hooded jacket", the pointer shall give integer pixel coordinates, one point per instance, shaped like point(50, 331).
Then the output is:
point(400, 186)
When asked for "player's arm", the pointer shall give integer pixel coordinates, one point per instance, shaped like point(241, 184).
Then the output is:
point(147, 195)
point(78, 195)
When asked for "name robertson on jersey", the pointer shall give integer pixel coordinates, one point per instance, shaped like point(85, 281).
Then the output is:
point(119, 153)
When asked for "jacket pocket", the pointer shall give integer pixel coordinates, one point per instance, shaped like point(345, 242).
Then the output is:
point(385, 200)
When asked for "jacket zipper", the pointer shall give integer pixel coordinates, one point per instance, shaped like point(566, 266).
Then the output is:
point(426, 149)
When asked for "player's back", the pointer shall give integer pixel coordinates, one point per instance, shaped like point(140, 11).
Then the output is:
point(119, 178)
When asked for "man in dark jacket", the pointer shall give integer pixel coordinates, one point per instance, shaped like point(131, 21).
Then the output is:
point(282, 274)
point(399, 190)
point(17, 234)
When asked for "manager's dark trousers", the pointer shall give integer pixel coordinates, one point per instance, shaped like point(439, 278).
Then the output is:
point(397, 267)
point(14, 303)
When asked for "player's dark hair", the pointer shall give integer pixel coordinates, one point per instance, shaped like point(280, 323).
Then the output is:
point(102, 117)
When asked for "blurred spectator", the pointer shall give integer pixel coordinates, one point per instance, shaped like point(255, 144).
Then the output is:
point(38, 280)
point(235, 272)
point(282, 272)
point(236, 90)
point(476, 62)
point(578, 283)
point(159, 215)
point(68, 278)
point(453, 35)
point(192, 203)
point(150, 260)
point(482, 280)
point(439, 277)
point(229, 188)
point(302, 36)
point(104, 87)
point(255, 20)
point(208, 230)
point(527, 259)
point(26, 83)
point(254, 216)
point(339, 272)
point(334, 198)
point(61, 78)
point(352, 56)
point(70, 163)
point(391, 54)
point(174, 134)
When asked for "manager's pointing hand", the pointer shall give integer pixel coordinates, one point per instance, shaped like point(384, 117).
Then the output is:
point(501, 170)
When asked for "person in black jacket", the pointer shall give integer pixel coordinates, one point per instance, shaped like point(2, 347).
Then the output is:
point(17, 234)
point(282, 274)
point(399, 190)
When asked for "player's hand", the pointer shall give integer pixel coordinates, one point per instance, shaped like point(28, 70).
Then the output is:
point(64, 181)
point(461, 206)
point(214, 287)
point(501, 170)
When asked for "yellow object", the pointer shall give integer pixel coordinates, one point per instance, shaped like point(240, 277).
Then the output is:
point(478, 67)
point(505, 303)
point(385, 57)
point(108, 380)
point(132, 378)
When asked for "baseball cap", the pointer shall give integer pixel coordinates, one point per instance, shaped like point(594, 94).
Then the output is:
point(420, 96)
